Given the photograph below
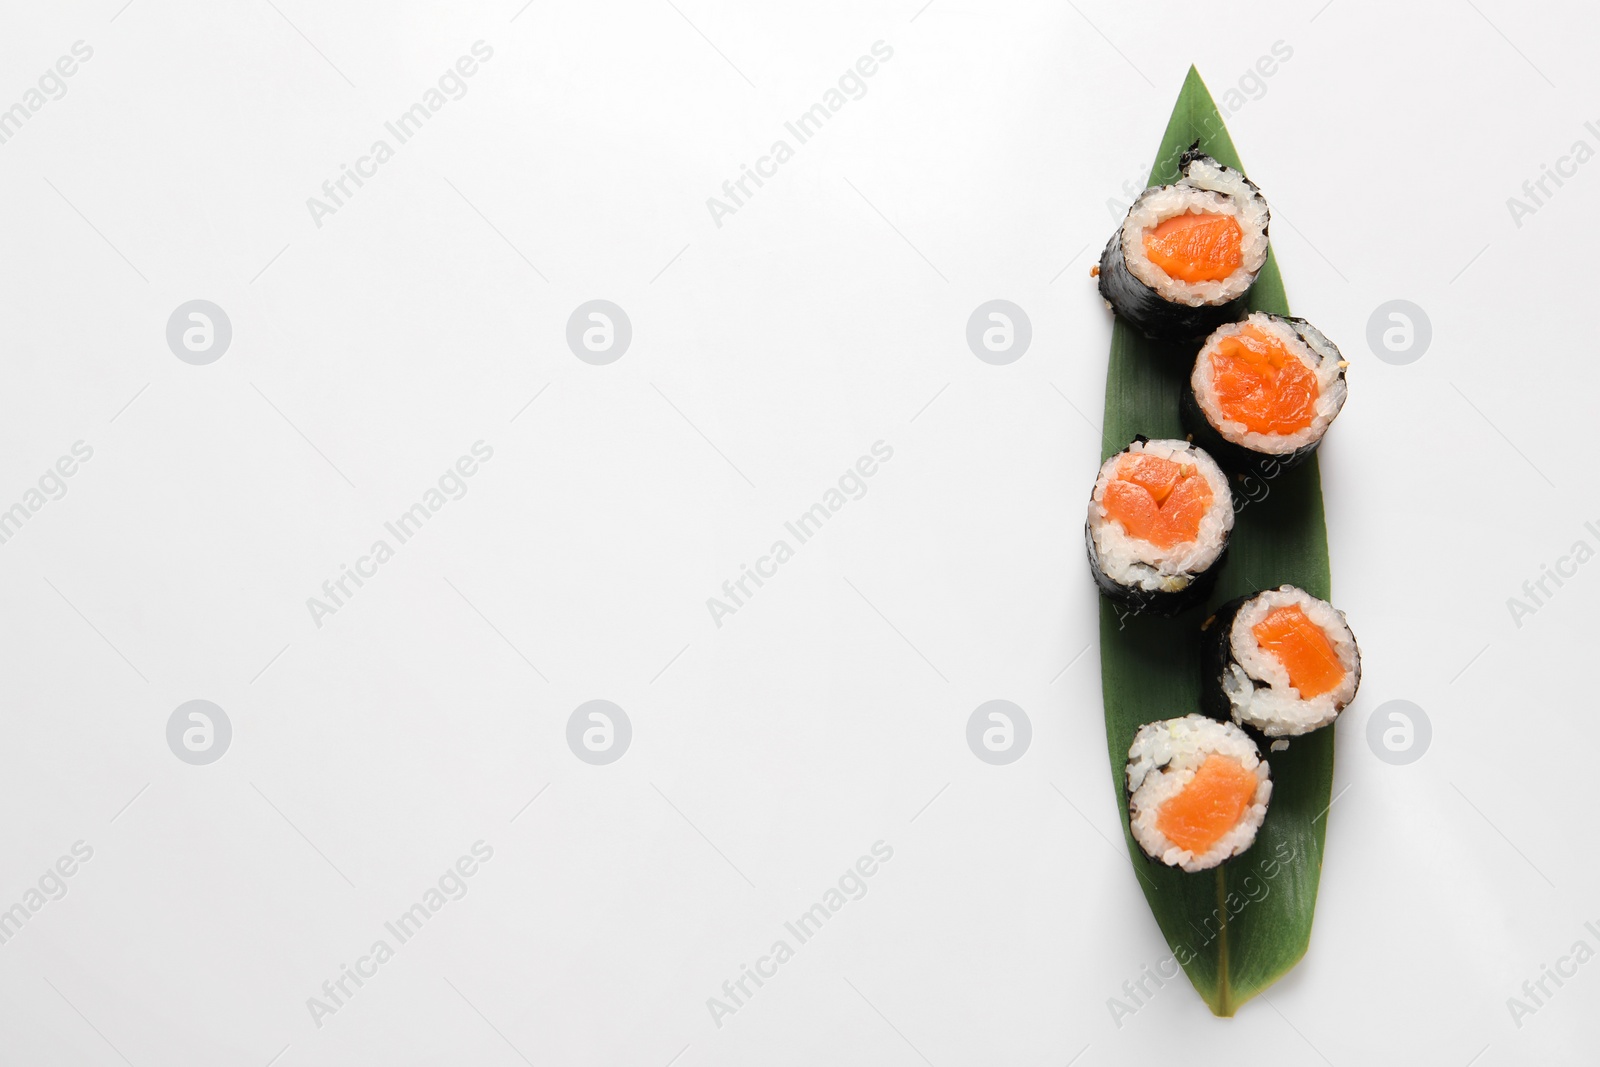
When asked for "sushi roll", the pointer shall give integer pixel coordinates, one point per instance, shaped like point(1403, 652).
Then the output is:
point(1264, 392)
point(1158, 525)
point(1186, 254)
point(1280, 662)
point(1197, 791)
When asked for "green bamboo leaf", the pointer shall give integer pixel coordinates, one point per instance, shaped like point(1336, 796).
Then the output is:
point(1240, 927)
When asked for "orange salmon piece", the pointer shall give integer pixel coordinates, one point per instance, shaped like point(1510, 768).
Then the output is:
point(1209, 806)
point(1157, 500)
point(1196, 247)
point(1153, 473)
point(1261, 384)
point(1303, 649)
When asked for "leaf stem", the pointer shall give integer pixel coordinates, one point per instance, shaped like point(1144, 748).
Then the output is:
point(1225, 1006)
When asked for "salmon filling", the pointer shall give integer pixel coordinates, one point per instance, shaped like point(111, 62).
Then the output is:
point(1196, 247)
point(1262, 384)
point(1209, 806)
point(1303, 649)
point(1158, 500)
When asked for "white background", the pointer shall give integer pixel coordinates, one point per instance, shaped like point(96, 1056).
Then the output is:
point(768, 354)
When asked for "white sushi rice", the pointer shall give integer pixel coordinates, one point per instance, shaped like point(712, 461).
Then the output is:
point(1135, 562)
point(1207, 188)
point(1313, 349)
point(1162, 762)
point(1277, 709)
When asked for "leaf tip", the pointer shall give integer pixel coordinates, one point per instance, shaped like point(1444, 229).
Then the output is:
point(1195, 86)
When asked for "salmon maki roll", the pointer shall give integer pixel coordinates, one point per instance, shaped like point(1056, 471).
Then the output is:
point(1279, 662)
point(1198, 791)
point(1264, 391)
point(1159, 518)
point(1186, 254)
